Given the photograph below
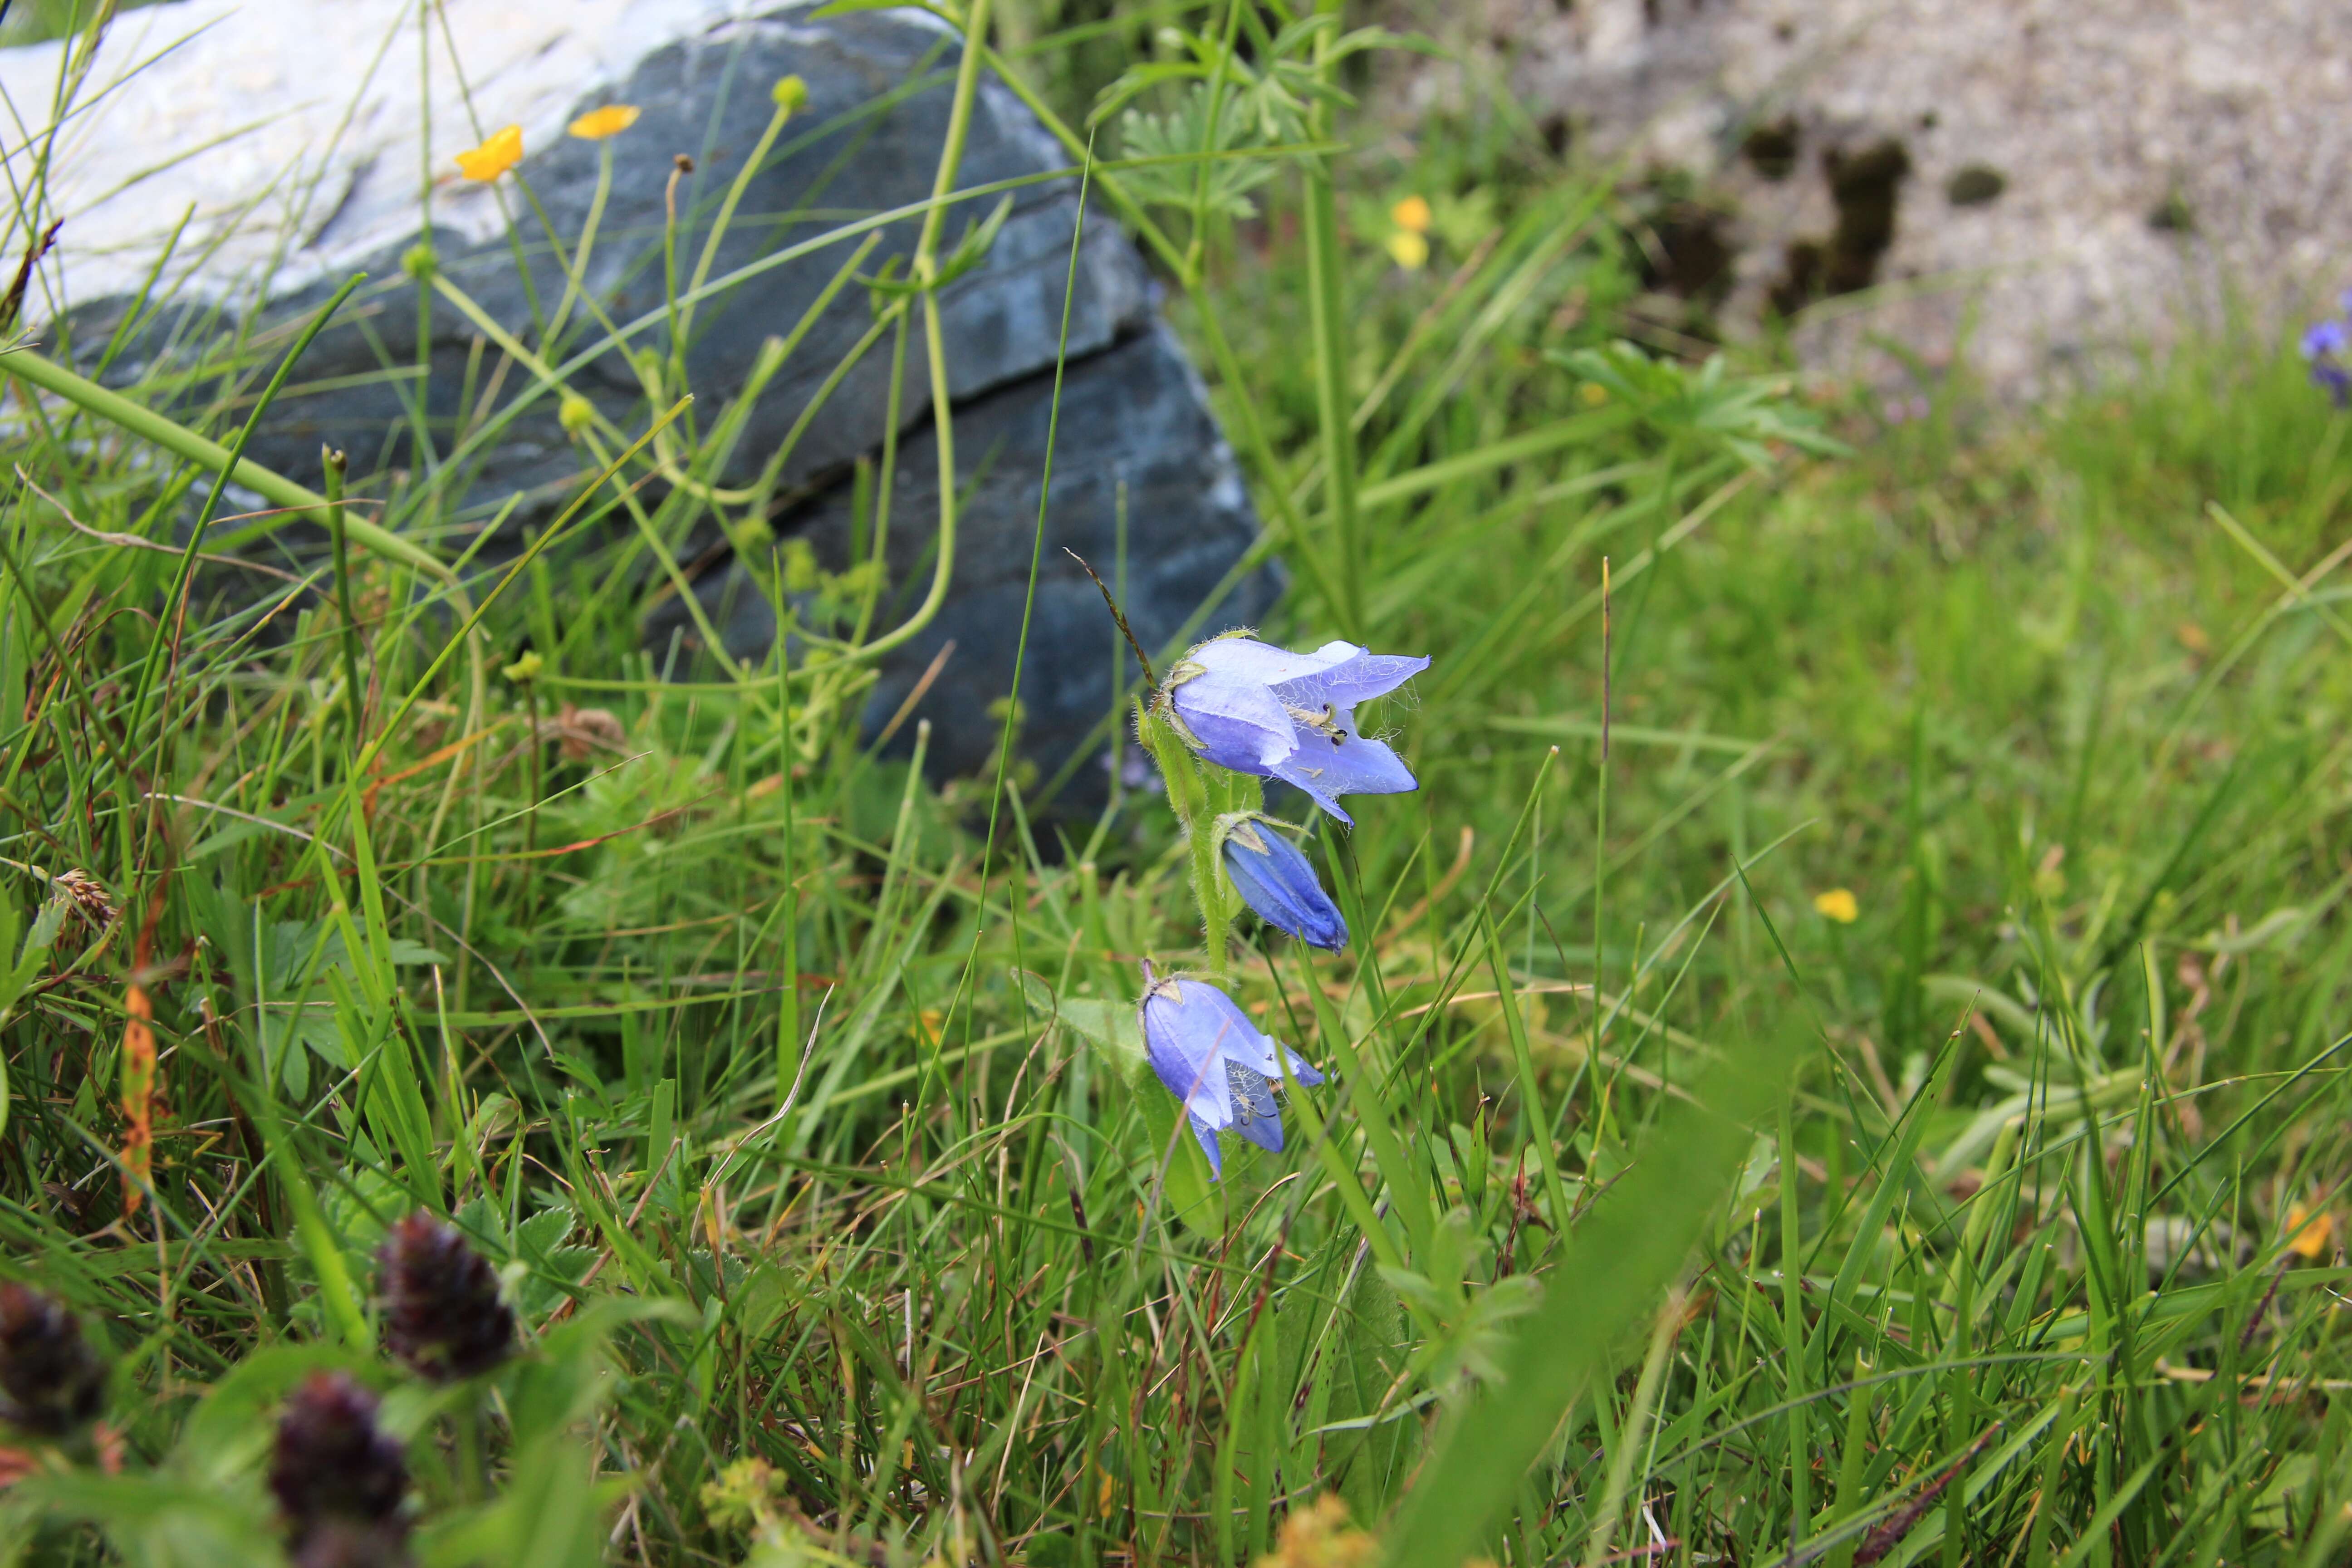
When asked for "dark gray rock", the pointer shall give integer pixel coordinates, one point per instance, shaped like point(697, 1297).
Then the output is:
point(868, 142)
point(1135, 435)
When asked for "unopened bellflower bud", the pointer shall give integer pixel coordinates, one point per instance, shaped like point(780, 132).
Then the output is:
point(1217, 1064)
point(442, 1312)
point(1274, 878)
point(1256, 709)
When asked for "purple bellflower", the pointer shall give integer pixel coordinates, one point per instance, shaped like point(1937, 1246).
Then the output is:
point(2324, 345)
point(1274, 878)
point(1256, 709)
point(1216, 1063)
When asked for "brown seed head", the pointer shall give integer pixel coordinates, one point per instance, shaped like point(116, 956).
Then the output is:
point(89, 899)
point(51, 1382)
point(442, 1314)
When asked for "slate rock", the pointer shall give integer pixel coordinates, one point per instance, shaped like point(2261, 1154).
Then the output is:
point(267, 82)
point(1135, 440)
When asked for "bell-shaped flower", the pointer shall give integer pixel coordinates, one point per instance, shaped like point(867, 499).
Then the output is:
point(1256, 709)
point(1216, 1063)
point(1274, 878)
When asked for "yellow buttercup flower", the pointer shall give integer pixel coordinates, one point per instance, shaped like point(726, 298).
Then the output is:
point(609, 121)
point(1412, 213)
point(494, 157)
point(1408, 249)
point(1838, 904)
point(2308, 1234)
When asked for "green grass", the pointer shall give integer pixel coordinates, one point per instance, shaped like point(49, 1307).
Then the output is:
point(792, 1092)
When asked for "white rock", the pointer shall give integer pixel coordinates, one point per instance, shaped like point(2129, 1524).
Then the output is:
point(293, 133)
point(2099, 113)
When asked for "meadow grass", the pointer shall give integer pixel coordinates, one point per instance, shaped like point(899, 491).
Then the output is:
point(1839, 1062)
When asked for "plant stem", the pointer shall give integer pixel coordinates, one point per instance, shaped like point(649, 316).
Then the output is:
point(1327, 300)
point(354, 696)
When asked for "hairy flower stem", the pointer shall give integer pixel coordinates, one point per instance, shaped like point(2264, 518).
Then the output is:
point(1188, 797)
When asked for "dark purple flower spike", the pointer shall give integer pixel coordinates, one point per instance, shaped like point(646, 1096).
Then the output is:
point(51, 1382)
point(338, 1478)
point(442, 1312)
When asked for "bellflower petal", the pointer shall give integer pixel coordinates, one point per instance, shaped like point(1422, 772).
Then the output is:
point(1274, 878)
point(1233, 722)
point(1359, 678)
point(1206, 1136)
point(1328, 769)
point(1181, 1039)
point(2324, 338)
point(1257, 1115)
point(1246, 658)
point(1217, 1063)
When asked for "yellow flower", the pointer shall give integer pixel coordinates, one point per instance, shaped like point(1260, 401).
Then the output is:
point(1409, 251)
point(2309, 1233)
point(494, 157)
point(791, 95)
point(1412, 213)
point(1319, 1536)
point(1592, 392)
point(525, 670)
point(1838, 904)
point(575, 414)
point(609, 121)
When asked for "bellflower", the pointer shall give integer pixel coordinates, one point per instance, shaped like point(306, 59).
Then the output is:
point(1216, 1063)
point(2324, 345)
point(1275, 879)
point(1256, 709)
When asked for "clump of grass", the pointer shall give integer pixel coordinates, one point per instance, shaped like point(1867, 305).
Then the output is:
point(1662, 1207)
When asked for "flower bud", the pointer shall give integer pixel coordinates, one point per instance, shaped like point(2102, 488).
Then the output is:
point(575, 414)
point(334, 1466)
point(1274, 878)
point(442, 1314)
point(51, 1382)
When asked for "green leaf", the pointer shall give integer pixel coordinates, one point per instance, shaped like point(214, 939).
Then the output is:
point(1115, 1028)
point(1615, 1264)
